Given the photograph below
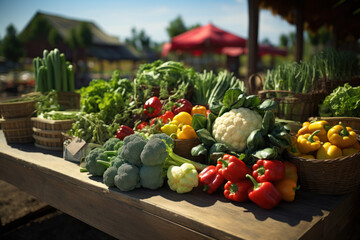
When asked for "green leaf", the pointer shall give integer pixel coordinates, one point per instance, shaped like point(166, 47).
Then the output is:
point(199, 121)
point(231, 96)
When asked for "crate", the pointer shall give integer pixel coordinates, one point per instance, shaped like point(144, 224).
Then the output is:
point(17, 130)
point(69, 100)
point(292, 105)
point(48, 133)
point(17, 109)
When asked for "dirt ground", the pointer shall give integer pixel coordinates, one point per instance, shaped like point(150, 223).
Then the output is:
point(24, 217)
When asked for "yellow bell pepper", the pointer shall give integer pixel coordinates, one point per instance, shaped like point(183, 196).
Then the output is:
point(321, 125)
point(304, 129)
point(328, 151)
point(342, 136)
point(183, 118)
point(170, 129)
point(349, 151)
point(186, 132)
point(308, 142)
point(198, 109)
point(307, 156)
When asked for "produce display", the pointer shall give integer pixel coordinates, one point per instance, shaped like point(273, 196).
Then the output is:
point(320, 140)
point(136, 127)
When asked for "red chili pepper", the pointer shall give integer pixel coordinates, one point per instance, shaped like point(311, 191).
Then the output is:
point(141, 125)
point(238, 192)
point(182, 105)
point(268, 170)
point(264, 194)
point(210, 179)
point(152, 107)
point(231, 168)
point(208, 112)
point(165, 118)
point(123, 131)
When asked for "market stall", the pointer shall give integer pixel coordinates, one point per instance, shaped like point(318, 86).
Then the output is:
point(177, 149)
point(164, 214)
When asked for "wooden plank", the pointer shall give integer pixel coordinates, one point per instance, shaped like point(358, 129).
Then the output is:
point(299, 44)
point(193, 215)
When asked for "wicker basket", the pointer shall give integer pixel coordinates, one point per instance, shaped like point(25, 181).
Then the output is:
point(17, 109)
point(292, 105)
point(352, 122)
point(48, 133)
point(17, 130)
point(69, 100)
point(182, 147)
point(330, 176)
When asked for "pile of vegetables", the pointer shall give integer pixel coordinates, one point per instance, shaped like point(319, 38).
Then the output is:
point(344, 101)
point(320, 140)
point(52, 71)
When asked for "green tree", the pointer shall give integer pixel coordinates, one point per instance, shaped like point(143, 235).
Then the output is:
point(84, 35)
point(266, 41)
point(139, 40)
point(284, 40)
point(12, 48)
point(38, 29)
point(176, 27)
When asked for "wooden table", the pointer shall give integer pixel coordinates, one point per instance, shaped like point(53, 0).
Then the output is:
point(164, 214)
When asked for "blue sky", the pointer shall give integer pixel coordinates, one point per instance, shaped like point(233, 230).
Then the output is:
point(116, 18)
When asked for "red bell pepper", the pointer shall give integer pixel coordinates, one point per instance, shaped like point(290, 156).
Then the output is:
point(264, 194)
point(238, 192)
point(182, 105)
point(165, 118)
point(268, 170)
point(123, 132)
point(152, 107)
point(231, 168)
point(210, 179)
point(141, 125)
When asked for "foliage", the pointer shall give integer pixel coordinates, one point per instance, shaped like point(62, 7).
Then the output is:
point(344, 101)
point(336, 65)
point(54, 37)
point(80, 37)
point(176, 27)
point(38, 28)
point(139, 40)
point(11, 47)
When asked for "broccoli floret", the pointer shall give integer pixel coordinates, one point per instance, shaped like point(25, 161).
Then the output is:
point(109, 175)
point(169, 141)
point(132, 149)
point(118, 146)
point(132, 137)
point(117, 162)
point(91, 164)
point(151, 176)
point(127, 177)
point(154, 152)
point(109, 145)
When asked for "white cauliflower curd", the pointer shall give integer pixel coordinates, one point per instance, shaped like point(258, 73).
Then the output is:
point(233, 127)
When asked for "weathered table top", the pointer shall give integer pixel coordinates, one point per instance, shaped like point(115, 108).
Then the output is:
point(162, 213)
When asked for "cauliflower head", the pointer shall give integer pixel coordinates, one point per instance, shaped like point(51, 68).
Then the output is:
point(182, 179)
point(233, 127)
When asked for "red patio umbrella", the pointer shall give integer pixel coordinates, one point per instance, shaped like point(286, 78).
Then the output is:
point(202, 39)
point(263, 50)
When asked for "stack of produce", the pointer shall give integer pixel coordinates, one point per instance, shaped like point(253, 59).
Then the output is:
point(320, 140)
point(52, 71)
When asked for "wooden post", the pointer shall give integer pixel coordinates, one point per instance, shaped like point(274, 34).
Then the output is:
point(299, 30)
point(252, 43)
